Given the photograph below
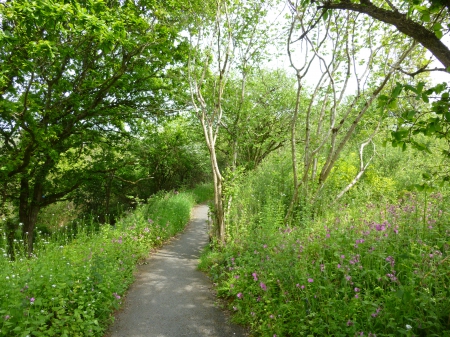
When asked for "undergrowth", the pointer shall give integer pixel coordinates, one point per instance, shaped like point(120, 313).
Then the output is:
point(71, 286)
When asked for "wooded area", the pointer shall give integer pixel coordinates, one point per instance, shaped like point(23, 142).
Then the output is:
point(332, 105)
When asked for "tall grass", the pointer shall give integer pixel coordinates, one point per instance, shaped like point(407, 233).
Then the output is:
point(72, 289)
point(355, 269)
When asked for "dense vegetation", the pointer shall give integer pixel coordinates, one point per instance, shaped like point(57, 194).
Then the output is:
point(77, 275)
point(376, 263)
point(322, 127)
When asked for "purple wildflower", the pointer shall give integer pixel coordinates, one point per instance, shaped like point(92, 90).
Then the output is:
point(263, 286)
point(349, 323)
point(240, 295)
point(255, 276)
point(310, 280)
point(391, 260)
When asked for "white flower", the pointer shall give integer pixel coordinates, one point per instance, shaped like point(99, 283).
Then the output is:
point(54, 285)
point(408, 327)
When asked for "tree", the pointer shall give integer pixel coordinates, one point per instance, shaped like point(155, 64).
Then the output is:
point(255, 125)
point(232, 44)
point(72, 75)
point(423, 21)
point(335, 49)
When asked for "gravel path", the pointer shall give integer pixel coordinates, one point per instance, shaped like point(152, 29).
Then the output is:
point(170, 297)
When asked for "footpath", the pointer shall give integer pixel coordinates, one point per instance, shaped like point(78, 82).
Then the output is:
point(170, 297)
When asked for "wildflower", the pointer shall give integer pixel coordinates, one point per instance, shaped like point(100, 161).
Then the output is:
point(408, 327)
point(7, 317)
point(32, 299)
point(236, 277)
point(391, 260)
point(116, 296)
point(271, 316)
point(255, 276)
point(263, 286)
point(322, 267)
point(348, 277)
point(392, 276)
point(252, 313)
point(302, 287)
point(380, 227)
point(356, 290)
point(54, 285)
point(339, 266)
point(265, 246)
point(235, 308)
point(310, 280)
point(375, 314)
point(349, 323)
point(356, 296)
point(240, 295)
point(342, 257)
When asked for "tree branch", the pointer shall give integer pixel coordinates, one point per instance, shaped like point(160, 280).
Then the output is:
point(407, 26)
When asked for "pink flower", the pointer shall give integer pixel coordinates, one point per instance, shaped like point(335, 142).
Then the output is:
point(310, 280)
point(240, 295)
point(32, 299)
point(255, 276)
point(263, 286)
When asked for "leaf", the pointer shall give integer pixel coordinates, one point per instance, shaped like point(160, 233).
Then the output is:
point(425, 17)
point(426, 176)
point(397, 90)
point(393, 104)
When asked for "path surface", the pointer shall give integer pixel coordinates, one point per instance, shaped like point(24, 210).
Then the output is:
point(170, 297)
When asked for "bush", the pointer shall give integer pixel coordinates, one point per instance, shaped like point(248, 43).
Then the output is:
point(73, 289)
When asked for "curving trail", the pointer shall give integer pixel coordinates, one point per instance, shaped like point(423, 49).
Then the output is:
point(170, 297)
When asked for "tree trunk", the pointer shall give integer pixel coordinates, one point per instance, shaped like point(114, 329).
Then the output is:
point(28, 212)
point(11, 227)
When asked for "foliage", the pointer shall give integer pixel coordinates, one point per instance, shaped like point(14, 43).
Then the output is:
point(425, 112)
point(360, 266)
point(161, 156)
point(71, 76)
point(71, 286)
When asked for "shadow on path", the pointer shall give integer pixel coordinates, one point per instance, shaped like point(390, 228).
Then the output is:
point(170, 297)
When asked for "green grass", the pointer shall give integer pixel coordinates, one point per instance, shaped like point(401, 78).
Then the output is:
point(72, 289)
point(359, 269)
